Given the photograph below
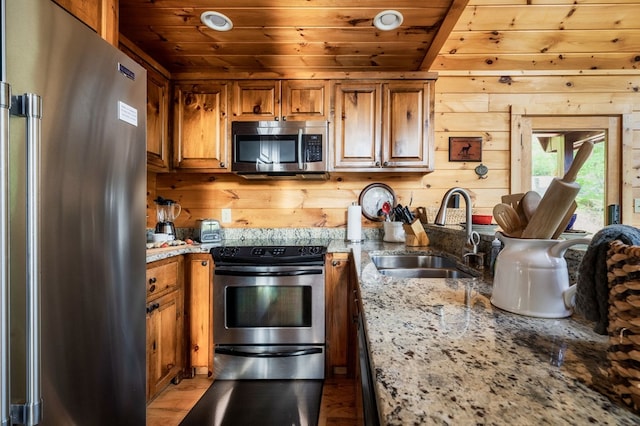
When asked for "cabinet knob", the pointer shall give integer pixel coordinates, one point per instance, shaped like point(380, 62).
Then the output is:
point(222, 165)
point(257, 109)
point(204, 263)
point(152, 280)
point(377, 164)
point(385, 164)
point(152, 307)
point(335, 263)
point(284, 118)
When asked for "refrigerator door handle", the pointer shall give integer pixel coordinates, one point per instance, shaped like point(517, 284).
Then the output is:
point(5, 383)
point(29, 106)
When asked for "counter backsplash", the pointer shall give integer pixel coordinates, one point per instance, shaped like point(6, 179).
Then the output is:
point(449, 238)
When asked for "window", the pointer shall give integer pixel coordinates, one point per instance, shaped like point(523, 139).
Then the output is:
point(527, 131)
point(551, 156)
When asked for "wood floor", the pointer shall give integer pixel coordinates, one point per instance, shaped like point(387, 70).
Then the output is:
point(173, 404)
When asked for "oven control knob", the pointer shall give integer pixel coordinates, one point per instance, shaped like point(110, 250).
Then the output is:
point(230, 251)
point(310, 250)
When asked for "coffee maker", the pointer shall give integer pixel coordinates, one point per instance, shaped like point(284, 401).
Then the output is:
point(166, 212)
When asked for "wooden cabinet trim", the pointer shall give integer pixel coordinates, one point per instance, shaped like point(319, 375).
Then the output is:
point(199, 309)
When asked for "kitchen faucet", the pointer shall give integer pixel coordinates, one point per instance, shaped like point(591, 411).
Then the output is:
point(473, 258)
point(441, 217)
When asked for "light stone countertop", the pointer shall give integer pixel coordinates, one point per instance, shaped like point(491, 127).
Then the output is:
point(442, 354)
point(166, 252)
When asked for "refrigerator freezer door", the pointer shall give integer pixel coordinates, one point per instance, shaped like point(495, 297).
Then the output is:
point(92, 217)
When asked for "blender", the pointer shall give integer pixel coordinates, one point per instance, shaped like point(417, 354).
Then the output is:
point(166, 212)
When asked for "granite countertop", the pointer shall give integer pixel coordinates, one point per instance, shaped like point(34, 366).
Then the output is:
point(166, 252)
point(442, 354)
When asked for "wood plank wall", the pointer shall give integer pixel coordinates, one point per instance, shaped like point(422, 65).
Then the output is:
point(466, 104)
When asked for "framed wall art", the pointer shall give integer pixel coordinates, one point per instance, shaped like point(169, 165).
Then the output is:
point(463, 148)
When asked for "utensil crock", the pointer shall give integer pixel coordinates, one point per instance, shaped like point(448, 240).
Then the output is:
point(532, 279)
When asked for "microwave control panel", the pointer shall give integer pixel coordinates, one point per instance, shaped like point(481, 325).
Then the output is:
point(313, 148)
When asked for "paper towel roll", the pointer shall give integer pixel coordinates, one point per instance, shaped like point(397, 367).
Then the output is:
point(354, 223)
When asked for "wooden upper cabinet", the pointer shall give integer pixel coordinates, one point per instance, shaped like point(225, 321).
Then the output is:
point(200, 127)
point(305, 100)
point(157, 121)
point(256, 100)
point(407, 125)
point(280, 100)
point(384, 125)
point(358, 125)
point(101, 16)
point(157, 107)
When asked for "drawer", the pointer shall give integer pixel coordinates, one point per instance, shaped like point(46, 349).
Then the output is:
point(163, 276)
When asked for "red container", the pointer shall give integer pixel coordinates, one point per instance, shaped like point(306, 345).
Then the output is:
point(481, 219)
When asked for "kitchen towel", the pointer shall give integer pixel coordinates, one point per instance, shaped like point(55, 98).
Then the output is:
point(354, 223)
point(592, 290)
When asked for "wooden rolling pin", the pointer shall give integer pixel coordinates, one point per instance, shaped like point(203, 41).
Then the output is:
point(557, 200)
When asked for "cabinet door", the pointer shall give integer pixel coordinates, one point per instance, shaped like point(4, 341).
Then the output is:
point(101, 16)
point(357, 140)
point(199, 309)
point(164, 341)
point(338, 321)
point(157, 121)
point(304, 100)
point(407, 129)
point(256, 100)
point(164, 276)
point(200, 127)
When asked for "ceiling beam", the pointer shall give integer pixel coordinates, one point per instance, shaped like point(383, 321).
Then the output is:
point(449, 22)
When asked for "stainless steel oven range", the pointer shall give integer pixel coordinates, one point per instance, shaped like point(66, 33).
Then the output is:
point(269, 312)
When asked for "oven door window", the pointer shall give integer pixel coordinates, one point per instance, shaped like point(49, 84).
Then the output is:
point(266, 149)
point(268, 306)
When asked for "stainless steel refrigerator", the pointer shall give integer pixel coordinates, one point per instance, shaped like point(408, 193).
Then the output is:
point(72, 223)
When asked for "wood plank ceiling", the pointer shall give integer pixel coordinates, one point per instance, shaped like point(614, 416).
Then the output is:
point(285, 36)
point(289, 37)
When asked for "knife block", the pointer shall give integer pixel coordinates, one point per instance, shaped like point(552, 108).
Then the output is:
point(415, 235)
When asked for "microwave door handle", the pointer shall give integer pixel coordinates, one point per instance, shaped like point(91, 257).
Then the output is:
point(300, 162)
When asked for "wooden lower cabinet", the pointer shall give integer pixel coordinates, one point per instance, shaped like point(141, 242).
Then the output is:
point(339, 325)
point(165, 323)
point(199, 313)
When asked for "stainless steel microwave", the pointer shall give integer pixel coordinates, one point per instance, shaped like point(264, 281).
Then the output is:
point(280, 149)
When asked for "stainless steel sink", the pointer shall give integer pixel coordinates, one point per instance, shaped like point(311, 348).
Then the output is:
point(418, 266)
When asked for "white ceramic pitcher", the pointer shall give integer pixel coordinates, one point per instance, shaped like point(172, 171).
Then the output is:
point(531, 277)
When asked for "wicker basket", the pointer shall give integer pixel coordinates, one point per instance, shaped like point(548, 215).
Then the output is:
point(623, 264)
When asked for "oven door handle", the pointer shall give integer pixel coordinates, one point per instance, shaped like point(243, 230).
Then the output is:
point(277, 354)
point(296, 273)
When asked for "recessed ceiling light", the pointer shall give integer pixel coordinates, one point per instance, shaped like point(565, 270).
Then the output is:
point(388, 20)
point(216, 21)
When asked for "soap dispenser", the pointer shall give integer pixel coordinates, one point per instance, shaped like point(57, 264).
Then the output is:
point(496, 246)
